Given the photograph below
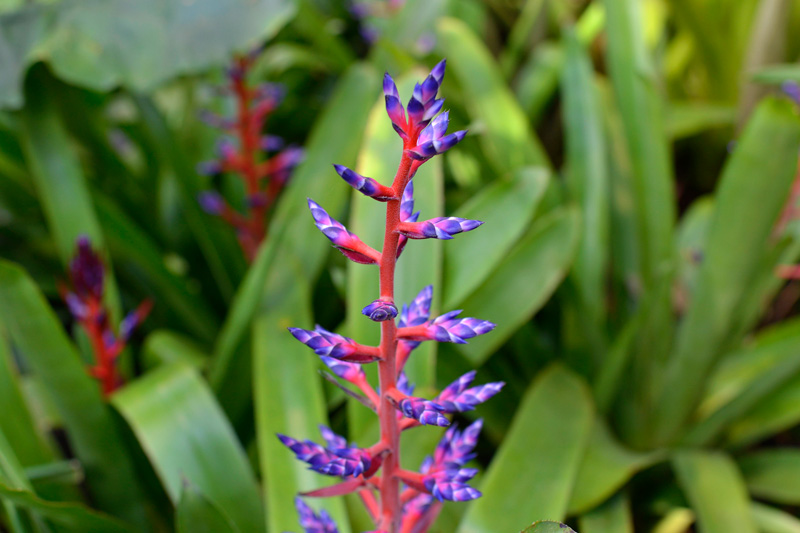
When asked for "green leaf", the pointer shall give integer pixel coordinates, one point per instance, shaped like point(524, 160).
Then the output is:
point(164, 347)
point(522, 282)
point(94, 435)
point(288, 400)
point(614, 516)
point(746, 377)
point(773, 474)
point(634, 82)
point(586, 175)
point(60, 183)
point(715, 489)
point(192, 441)
point(507, 138)
point(778, 412)
point(506, 208)
point(215, 239)
point(101, 44)
point(134, 248)
point(18, 428)
point(74, 516)
point(777, 74)
point(605, 467)
point(744, 216)
point(535, 468)
point(548, 527)
point(772, 520)
point(685, 119)
point(293, 234)
point(197, 514)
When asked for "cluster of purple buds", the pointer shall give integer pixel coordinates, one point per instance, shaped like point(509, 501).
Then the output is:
point(242, 152)
point(84, 299)
point(374, 473)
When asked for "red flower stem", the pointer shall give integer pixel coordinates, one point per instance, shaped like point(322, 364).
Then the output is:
point(106, 370)
point(369, 501)
point(247, 130)
point(391, 509)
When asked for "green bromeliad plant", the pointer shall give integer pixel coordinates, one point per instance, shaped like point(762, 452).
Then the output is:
point(634, 165)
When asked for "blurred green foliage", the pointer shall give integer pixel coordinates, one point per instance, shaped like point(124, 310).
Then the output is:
point(633, 161)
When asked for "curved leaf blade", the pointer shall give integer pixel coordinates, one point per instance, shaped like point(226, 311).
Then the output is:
point(191, 440)
point(534, 470)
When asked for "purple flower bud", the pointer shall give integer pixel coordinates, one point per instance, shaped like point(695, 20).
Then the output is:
point(347, 243)
point(77, 308)
point(332, 440)
point(313, 523)
point(128, 324)
point(366, 186)
point(448, 328)
point(423, 105)
point(403, 384)
point(211, 202)
point(226, 149)
point(423, 152)
point(340, 462)
point(209, 168)
point(359, 10)
point(380, 311)
point(407, 204)
point(285, 162)
point(271, 143)
point(215, 121)
point(326, 343)
point(456, 446)
point(456, 398)
point(86, 270)
point(450, 484)
point(271, 93)
point(438, 228)
point(416, 314)
point(426, 412)
point(406, 214)
point(395, 110)
point(345, 370)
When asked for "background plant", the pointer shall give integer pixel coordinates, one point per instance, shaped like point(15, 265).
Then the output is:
point(631, 161)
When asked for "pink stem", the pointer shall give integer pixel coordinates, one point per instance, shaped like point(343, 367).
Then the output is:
point(389, 488)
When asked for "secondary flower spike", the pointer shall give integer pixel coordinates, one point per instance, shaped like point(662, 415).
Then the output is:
point(347, 243)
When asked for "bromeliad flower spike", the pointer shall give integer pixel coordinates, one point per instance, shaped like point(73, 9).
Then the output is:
point(263, 178)
point(84, 298)
point(398, 500)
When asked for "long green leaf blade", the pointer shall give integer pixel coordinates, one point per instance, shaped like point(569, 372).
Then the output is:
point(186, 436)
point(553, 421)
point(714, 487)
point(745, 212)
